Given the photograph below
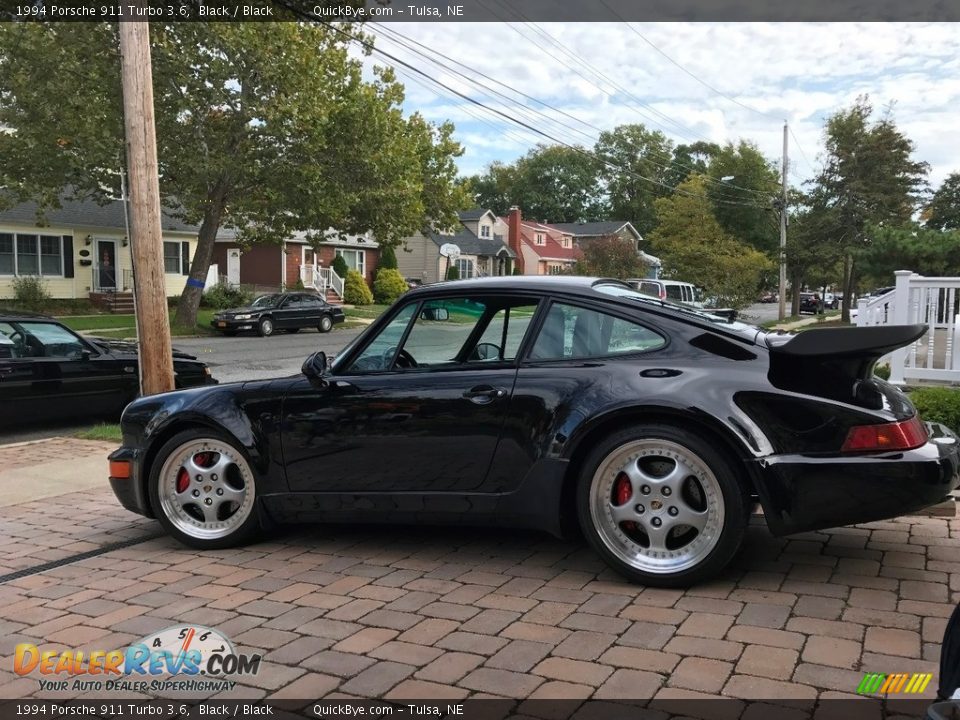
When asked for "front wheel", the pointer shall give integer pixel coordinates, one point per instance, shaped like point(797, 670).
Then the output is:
point(266, 327)
point(326, 324)
point(203, 491)
point(661, 506)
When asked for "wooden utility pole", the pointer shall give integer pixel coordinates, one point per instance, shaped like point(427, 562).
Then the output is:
point(783, 231)
point(146, 236)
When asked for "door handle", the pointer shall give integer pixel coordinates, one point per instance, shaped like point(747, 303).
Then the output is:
point(483, 394)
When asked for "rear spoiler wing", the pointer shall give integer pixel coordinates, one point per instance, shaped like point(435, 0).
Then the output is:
point(873, 341)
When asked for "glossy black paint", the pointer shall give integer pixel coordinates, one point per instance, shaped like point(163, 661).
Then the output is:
point(87, 377)
point(290, 311)
point(410, 445)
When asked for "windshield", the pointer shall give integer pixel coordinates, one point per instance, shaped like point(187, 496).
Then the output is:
point(266, 301)
point(626, 292)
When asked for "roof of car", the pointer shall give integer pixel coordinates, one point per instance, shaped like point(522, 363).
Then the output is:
point(565, 283)
point(11, 314)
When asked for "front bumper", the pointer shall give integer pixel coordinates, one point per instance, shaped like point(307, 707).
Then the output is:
point(229, 324)
point(131, 491)
point(805, 492)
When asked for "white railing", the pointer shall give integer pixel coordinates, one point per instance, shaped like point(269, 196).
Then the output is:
point(321, 279)
point(332, 281)
point(931, 301)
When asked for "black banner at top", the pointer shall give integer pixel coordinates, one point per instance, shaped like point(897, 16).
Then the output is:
point(481, 10)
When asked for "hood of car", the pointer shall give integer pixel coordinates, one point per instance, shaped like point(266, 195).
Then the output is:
point(130, 347)
point(248, 310)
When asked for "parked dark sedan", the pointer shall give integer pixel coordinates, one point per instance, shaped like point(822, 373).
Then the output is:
point(549, 402)
point(47, 371)
point(280, 311)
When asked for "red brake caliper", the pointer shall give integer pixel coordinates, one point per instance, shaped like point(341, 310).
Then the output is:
point(622, 492)
point(183, 480)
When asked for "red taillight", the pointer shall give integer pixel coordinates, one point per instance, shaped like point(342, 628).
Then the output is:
point(904, 435)
point(663, 294)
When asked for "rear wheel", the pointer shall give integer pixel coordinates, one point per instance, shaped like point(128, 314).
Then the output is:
point(266, 327)
point(326, 324)
point(203, 490)
point(661, 506)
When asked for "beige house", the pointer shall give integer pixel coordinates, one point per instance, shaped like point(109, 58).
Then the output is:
point(82, 250)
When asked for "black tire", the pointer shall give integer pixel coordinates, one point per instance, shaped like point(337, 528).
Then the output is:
point(735, 510)
point(292, 331)
point(326, 324)
point(244, 533)
point(266, 327)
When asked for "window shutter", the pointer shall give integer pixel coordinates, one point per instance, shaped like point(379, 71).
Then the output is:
point(185, 252)
point(68, 256)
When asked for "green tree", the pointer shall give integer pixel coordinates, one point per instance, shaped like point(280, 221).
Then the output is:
point(340, 266)
point(869, 178)
point(268, 128)
point(551, 183)
point(742, 205)
point(694, 247)
point(812, 257)
point(692, 159)
point(355, 290)
point(610, 257)
point(388, 286)
point(943, 212)
point(453, 273)
point(934, 253)
point(639, 172)
point(388, 258)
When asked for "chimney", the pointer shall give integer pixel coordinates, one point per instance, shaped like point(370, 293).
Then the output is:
point(513, 236)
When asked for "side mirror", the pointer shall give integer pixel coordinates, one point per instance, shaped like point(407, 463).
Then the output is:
point(315, 366)
point(435, 314)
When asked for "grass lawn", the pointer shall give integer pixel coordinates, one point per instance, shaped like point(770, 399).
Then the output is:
point(368, 312)
point(121, 326)
point(101, 431)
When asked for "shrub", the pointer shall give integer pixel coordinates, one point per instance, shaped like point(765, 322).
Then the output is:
point(355, 290)
point(453, 273)
point(938, 404)
point(339, 266)
point(298, 285)
point(388, 286)
point(882, 371)
point(223, 295)
point(30, 292)
point(388, 258)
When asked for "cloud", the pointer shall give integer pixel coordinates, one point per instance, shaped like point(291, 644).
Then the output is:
point(607, 74)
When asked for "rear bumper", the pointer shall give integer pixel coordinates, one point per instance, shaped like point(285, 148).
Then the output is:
point(803, 492)
point(130, 491)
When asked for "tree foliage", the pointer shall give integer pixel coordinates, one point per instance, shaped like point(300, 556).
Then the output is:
point(268, 128)
point(933, 253)
point(388, 258)
point(610, 257)
point(694, 247)
point(869, 178)
point(943, 212)
point(340, 266)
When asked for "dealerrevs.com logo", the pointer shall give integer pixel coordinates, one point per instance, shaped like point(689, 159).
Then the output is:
point(205, 656)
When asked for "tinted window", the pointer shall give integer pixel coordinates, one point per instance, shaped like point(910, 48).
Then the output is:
point(379, 354)
point(674, 292)
point(293, 301)
point(502, 337)
point(51, 340)
point(571, 332)
point(650, 288)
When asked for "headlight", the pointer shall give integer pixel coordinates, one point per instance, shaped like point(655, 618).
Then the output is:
point(242, 317)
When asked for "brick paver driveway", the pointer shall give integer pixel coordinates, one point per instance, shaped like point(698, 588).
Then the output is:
point(453, 613)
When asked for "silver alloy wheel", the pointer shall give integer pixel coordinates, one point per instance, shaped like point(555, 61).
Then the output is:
point(325, 323)
point(266, 327)
point(206, 489)
point(669, 512)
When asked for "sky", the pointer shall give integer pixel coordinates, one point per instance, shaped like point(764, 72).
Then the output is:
point(608, 74)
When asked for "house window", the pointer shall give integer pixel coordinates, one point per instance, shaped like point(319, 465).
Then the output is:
point(29, 254)
point(567, 243)
point(171, 258)
point(555, 268)
point(541, 239)
point(355, 259)
point(484, 231)
point(465, 266)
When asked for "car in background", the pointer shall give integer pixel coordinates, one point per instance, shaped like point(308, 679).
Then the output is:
point(290, 312)
point(49, 372)
point(769, 297)
point(563, 404)
point(831, 301)
point(810, 303)
point(673, 290)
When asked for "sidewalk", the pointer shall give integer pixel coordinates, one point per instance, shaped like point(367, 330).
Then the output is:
point(46, 468)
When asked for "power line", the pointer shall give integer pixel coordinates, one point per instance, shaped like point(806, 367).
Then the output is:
point(802, 153)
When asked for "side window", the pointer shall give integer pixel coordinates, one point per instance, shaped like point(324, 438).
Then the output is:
point(501, 338)
point(379, 354)
point(649, 288)
point(674, 293)
point(49, 340)
point(571, 332)
point(11, 342)
point(293, 302)
point(687, 294)
point(442, 330)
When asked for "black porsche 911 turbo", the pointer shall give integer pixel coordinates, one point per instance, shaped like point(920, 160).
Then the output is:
point(551, 403)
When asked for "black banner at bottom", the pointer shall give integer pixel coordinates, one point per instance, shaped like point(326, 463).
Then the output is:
point(487, 709)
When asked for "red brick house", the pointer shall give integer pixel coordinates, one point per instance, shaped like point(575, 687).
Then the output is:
point(541, 249)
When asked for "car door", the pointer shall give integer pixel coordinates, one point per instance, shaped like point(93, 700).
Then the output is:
point(418, 408)
point(311, 310)
point(61, 375)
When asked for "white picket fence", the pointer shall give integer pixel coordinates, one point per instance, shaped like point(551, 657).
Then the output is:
point(932, 301)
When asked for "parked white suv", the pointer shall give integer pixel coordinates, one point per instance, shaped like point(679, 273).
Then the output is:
point(675, 290)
